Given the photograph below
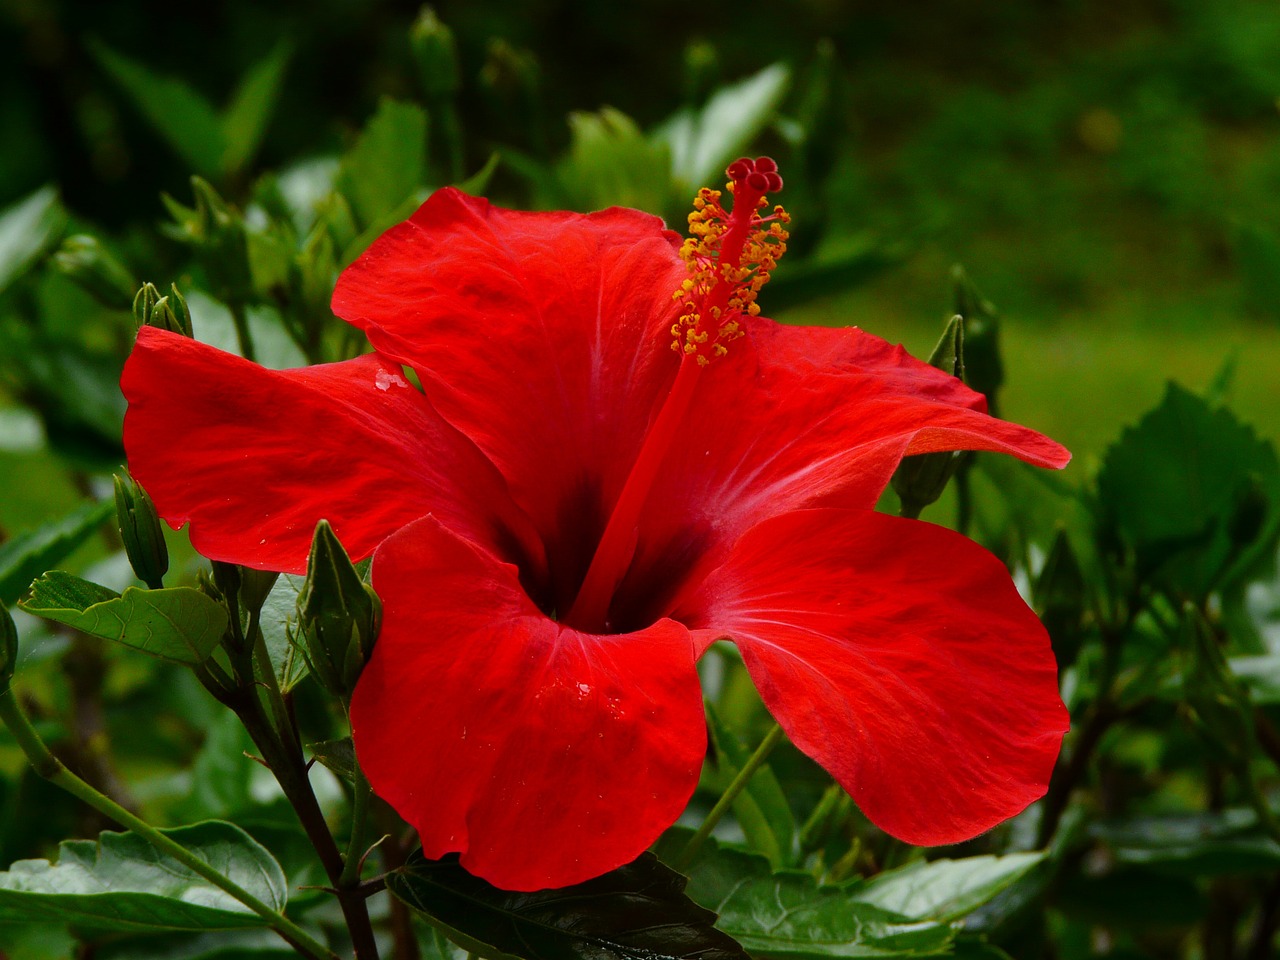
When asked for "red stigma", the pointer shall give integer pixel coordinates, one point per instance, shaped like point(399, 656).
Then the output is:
point(760, 174)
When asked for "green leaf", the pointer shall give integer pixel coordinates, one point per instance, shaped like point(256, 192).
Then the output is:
point(945, 889)
point(387, 163)
point(1261, 675)
point(29, 229)
point(703, 142)
point(611, 161)
point(179, 624)
point(277, 619)
point(1173, 487)
point(762, 809)
point(30, 554)
point(1194, 845)
point(213, 945)
point(338, 756)
point(787, 913)
point(637, 912)
point(121, 882)
point(182, 117)
point(245, 119)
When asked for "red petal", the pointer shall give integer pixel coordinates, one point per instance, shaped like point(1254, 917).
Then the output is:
point(254, 458)
point(546, 756)
point(799, 417)
point(545, 337)
point(900, 657)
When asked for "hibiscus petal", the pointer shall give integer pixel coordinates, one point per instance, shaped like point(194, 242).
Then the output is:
point(254, 458)
point(899, 656)
point(546, 756)
point(798, 417)
point(545, 337)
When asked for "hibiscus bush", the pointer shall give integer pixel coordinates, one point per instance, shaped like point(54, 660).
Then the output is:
point(484, 548)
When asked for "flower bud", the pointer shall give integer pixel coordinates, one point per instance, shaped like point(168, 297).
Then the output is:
point(8, 646)
point(338, 615)
point(91, 265)
point(436, 54)
point(920, 479)
point(167, 312)
point(984, 369)
point(141, 532)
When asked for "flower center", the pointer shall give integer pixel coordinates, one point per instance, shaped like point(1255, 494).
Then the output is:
point(730, 255)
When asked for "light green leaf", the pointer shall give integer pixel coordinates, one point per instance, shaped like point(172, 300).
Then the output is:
point(762, 809)
point(30, 554)
point(945, 889)
point(214, 325)
point(279, 612)
point(387, 163)
point(245, 119)
point(28, 229)
point(611, 161)
point(179, 624)
point(703, 142)
point(121, 882)
point(185, 119)
point(786, 914)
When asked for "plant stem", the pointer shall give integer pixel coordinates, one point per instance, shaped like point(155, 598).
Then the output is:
point(754, 763)
point(50, 768)
point(356, 844)
point(241, 320)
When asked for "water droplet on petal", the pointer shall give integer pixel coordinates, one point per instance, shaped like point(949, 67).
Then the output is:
point(385, 379)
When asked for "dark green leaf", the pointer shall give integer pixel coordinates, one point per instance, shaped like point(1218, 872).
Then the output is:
point(637, 912)
point(217, 945)
point(28, 229)
point(30, 554)
point(180, 624)
point(762, 809)
point(1131, 898)
point(1194, 845)
point(787, 914)
point(121, 882)
point(386, 165)
point(1171, 486)
point(703, 142)
point(945, 889)
point(245, 119)
point(182, 117)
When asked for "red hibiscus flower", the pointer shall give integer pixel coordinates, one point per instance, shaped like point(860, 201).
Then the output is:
point(569, 513)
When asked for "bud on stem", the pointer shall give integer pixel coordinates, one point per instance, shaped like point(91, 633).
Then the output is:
point(140, 531)
point(338, 615)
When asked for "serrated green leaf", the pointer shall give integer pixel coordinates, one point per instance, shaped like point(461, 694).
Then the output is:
point(245, 119)
point(1172, 485)
point(279, 612)
point(181, 116)
point(703, 142)
point(387, 163)
point(945, 889)
point(179, 624)
point(788, 914)
point(121, 882)
point(637, 912)
point(762, 809)
point(28, 229)
point(30, 554)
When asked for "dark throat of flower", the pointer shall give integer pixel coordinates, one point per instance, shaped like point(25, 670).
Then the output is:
point(730, 255)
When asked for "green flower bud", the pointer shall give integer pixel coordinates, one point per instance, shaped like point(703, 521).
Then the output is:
point(141, 532)
point(167, 312)
point(436, 54)
point(338, 615)
point(920, 480)
point(8, 646)
point(984, 368)
point(86, 261)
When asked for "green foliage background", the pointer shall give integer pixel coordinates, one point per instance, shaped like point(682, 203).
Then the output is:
point(1108, 172)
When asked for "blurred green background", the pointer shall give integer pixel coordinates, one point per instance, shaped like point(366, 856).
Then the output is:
point(1108, 172)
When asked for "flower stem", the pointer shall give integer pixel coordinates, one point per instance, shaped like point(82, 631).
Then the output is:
point(359, 821)
point(50, 768)
point(754, 763)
